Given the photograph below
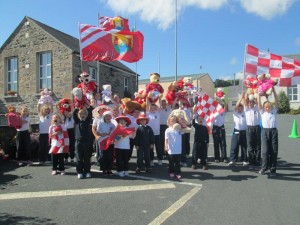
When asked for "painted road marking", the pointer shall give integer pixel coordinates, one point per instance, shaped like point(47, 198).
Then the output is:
point(175, 207)
point(43, 194)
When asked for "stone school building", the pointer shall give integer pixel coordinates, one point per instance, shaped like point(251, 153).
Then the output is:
point(36, 56)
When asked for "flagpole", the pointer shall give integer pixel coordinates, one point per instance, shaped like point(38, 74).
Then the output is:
point(98, 65)
point(176, 40)
point(81, 65)
point(244, 67)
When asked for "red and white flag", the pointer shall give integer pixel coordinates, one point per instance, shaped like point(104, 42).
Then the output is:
point(60, 143)
point(101, 44)
point(259, 62)
point(208, 108)
point(118, 23)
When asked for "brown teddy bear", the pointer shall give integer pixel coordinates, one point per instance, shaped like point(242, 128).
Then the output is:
point(154, 90)
point(129, 106)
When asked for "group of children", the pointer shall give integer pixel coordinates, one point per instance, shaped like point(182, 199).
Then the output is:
point(113, 133)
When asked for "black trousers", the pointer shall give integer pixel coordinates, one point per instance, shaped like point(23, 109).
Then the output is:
point(58, 161)
point(44, 147)
point(131, 144)
point(106, 160)
point(159, 153)
point(143, 154)
point(174, 163)
point(238, 139)
point(122, 159)
point(71, 135)
point(269, 149)
point(219, 138)
point(199, 152)
point(23, 145)
point(83, 156)
point(253, 134)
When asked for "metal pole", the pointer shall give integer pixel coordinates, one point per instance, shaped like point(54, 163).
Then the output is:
point(176, 40)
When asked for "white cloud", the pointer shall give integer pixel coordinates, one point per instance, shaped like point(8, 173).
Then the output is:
point(226, 77)
point(161, 12)
point(297, 41)
point(267, 9)
point(239, 76)
point(233, 61)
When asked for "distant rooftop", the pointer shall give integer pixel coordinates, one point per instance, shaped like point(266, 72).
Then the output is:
point(172, 78)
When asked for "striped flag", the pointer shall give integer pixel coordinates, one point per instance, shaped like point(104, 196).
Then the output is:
point(60, 143)
point(118, 23)
point(103, 44)
point(259, 62)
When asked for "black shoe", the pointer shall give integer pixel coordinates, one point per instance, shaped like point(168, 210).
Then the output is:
point(148, 170)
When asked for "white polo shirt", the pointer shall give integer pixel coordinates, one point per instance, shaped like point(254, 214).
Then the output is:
point(174, 138)
point(44, 123)
point(252, 116)
point(163, 115)
point(239, 120)
point(154, 122)
point(25, 126)
point(219, 120)
point(268, 120)
point(123, 143)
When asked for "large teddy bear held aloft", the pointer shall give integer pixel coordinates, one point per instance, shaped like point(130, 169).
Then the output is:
point(220, 94)
point(46, 97)
point(265, 84)
point(106, 94)
point(182, 121)
point(80, 100)
point(87, 86)
point(154, 91)
point(251, 84)
point(65, 105)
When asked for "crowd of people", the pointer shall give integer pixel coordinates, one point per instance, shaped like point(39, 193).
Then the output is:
point(110, 134)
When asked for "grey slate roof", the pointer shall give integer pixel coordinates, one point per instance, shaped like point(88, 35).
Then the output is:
point(68, 40)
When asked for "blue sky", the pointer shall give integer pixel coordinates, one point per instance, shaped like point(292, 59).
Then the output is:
point(211, 34)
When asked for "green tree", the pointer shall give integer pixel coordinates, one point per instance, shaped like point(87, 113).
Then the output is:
point(284, 103)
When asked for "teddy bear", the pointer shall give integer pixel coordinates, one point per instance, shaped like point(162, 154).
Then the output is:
point(220, 94)
point(129, 106)
point(265, 84)
point(182, 121)
point(45, 97)
point(154, 90)
point(106, 94)
point(171, 94)
point(64, 105)
point(87, 86)
point(251, 84)
point(80, 100)
point(14, 118)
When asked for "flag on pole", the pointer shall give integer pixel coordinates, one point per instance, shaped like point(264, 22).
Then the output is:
point(208, 108)
point(259, 62)
point(103, 44)
point(118, 23)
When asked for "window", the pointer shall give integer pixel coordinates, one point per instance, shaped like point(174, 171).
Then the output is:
point(126, 84)
point(292, 93)
point(45, 70)
point(12, 75)
point(93, 73)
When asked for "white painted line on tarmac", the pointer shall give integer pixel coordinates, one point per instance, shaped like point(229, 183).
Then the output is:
point(175, 207)
point(43, 194)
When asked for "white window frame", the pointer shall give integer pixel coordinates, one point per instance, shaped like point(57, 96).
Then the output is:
point(293, 95)
point(12, 74)
point(47, 68)
point(126, 84)
point(93, 73)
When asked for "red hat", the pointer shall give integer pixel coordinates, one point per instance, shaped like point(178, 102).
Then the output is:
point(142, 116)
point(123, 117)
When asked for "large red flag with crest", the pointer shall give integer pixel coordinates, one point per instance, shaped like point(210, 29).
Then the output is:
point(259, 62)
point(105, 44)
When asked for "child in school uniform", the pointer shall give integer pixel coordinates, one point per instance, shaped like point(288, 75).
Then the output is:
point(269, 135)
point(122, 147)
point(82, 118)
point(144, 141)
point(102, 128)
point(173, 141)
point(23, 138)
point(201, 140)
point(59, 144)
point(45, 115)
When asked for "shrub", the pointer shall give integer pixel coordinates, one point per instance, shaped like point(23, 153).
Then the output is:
point(283, 103)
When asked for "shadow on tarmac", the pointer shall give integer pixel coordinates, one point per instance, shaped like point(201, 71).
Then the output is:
point(14, 219)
